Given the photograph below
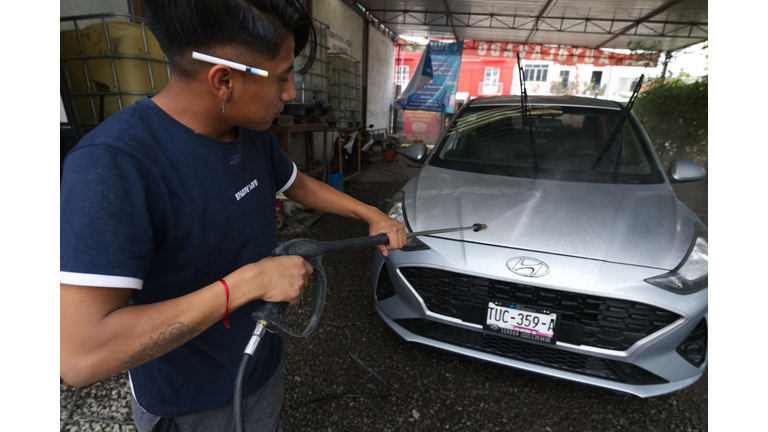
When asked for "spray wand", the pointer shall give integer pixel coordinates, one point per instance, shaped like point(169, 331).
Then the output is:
point(269, 316)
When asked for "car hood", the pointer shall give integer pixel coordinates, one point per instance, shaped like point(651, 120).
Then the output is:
point(631, 224)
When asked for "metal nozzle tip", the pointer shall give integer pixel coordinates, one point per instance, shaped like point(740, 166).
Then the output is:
point(479, 227)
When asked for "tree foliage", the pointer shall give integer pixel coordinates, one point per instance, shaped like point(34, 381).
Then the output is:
point(674, 113)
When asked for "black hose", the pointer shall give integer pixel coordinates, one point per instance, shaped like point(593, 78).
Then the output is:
point(238, 395)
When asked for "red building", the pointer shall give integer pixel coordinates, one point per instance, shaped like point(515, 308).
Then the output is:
point(490, 69)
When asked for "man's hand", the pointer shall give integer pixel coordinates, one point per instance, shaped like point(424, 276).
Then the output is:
point(273, 279)
point(395, 230)
point(319, 196)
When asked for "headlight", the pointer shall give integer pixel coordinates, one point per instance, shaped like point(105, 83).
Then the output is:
point(397, 211)
point(691, 275)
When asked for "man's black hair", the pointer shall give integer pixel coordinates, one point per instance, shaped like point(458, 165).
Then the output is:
point(208, 26)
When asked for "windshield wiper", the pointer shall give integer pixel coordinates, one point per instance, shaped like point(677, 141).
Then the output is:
point(525, 104)
point(617, 129)
point(618, 158)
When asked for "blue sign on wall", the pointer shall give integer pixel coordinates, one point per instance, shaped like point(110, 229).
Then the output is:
point(433, 85)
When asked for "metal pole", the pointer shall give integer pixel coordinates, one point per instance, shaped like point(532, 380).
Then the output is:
point(340, 150)
point(359, 149)
point(146, 53)
point(112, 64)
point(85, 69)
point(325, 155)
point(476, 227)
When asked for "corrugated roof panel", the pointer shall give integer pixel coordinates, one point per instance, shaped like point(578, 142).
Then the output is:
point(480, 34)
point(554, 38)
point(516, 7)
point(437, 19)
point(651, 29)
point(675, 23)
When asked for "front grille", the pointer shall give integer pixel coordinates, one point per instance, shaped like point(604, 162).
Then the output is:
point(532, 353)
point(590, 320)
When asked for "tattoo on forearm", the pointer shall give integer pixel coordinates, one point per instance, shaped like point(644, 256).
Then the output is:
point(171, 338)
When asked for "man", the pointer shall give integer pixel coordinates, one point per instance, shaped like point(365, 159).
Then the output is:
point(167, 221)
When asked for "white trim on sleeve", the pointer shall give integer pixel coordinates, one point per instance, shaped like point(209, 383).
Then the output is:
point(290, 182)
point(97, 280)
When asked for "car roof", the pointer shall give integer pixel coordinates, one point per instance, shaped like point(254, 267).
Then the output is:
point(562, 100)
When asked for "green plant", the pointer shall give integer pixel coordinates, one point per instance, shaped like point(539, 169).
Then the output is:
point(594, 90)
point(558, 88)
point(674, 113)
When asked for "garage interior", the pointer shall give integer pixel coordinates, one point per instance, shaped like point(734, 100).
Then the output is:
point(351, 84)
point(369, 31)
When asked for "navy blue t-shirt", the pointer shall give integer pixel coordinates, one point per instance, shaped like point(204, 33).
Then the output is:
point(146, 203)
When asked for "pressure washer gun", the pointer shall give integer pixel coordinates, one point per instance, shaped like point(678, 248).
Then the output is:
point(269, 316)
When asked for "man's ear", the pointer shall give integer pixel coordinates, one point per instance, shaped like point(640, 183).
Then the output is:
point(220, 80)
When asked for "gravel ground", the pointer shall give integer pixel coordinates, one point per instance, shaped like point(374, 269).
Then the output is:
point(415, 388)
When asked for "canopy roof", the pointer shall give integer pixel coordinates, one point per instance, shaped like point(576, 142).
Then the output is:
point(655, 25)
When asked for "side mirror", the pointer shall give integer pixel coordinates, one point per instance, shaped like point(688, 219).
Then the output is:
point(681, 170)
point(416, 152)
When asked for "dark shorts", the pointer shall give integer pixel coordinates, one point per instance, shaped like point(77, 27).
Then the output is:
point(261, 412)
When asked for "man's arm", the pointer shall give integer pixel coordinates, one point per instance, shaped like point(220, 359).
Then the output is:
point(320, 196)
point(101, 335)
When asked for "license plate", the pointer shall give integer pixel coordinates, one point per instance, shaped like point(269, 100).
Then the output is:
point(521, 321)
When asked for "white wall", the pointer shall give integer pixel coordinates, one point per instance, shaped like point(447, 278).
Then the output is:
point(342, 19)
point(88, 7)
point(619, 78)
point(381, 75)
point(616, 79)
point(339, 17)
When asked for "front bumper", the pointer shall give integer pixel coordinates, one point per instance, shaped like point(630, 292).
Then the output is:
point(622, 333)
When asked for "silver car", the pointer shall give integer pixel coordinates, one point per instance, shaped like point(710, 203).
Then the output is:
point(590, 269)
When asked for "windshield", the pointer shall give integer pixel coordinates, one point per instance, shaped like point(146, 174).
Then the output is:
point(567, 142)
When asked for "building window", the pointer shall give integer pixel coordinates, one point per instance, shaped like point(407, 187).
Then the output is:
point(597, 78)
point(491, 77)
point(402, 75)
point(564, 75)
point(626, 84)
point(536, 72)
point(490, 85)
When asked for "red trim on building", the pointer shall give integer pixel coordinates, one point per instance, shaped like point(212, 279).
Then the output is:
point(477, 56)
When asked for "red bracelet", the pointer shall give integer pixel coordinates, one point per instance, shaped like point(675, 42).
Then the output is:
point(226, 309)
